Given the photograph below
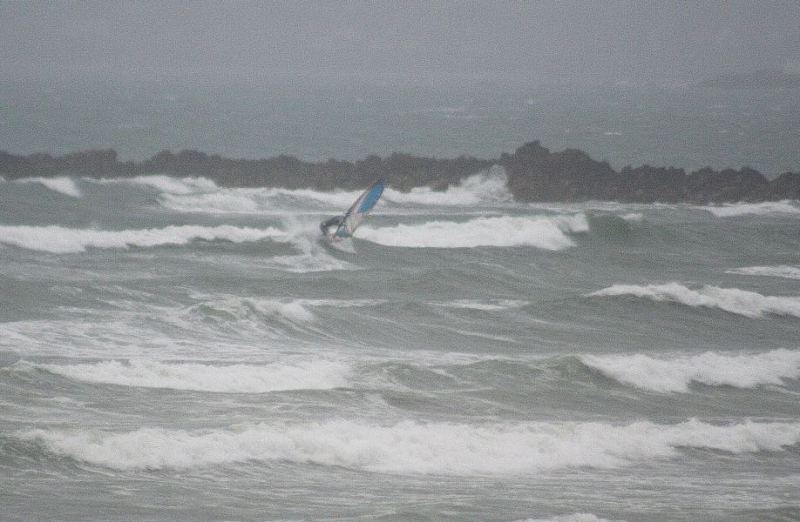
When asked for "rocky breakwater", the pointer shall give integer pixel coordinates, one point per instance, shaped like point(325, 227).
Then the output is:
point(534, 174)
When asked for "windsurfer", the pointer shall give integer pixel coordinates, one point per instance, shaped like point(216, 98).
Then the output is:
point(328, 224)
point(341, 227)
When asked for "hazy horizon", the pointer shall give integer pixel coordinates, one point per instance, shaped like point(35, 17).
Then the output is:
point(435, 43)
point(345, 80)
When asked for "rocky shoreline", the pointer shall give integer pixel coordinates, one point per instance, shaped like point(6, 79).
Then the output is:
point(534, 174)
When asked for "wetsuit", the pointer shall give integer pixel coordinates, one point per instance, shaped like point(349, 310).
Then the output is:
point(328, 223)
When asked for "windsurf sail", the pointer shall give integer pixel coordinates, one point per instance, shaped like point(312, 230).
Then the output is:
point(358, 211)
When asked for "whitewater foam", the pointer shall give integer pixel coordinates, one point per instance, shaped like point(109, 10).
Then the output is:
point(62, 240)
point(484, 187)
point(257, 200)
point(676, 373)
point(633, 217)
point(165, 184)
point(234, 378)
point(733, 300)
point(762, 209)
point(239, 308)
point(312, 256)
point(784, 271)
point(410, 447)
point(545, 232)
point(63, 185)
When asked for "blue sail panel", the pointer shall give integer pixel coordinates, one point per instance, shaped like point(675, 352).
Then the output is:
point(359, 210)
point(370, 198)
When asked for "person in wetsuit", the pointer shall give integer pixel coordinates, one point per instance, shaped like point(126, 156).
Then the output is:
point(326, 225)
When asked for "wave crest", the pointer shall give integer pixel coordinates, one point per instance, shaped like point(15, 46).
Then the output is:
point(63, 185)
point(714, 369)
point(235, 378)
point(164, 184)
point(63, 240)
point(416, 448)
point(733, 300)
point(483, 187)
point(194, 195)
point(785, 271)
point(761, 209)
point(548, 233)
point(243, 308)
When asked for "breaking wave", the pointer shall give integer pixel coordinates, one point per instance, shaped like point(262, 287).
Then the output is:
point(235, 378)
point(255, 200)
point(675, 374)
point(787, 272)
point(200, 195)
point(244, 308)
point(297, 310)
point(412, 447)
point(62, 240)
point(63, 185)
point(549, 233)
point(165, 184)
point(312, 255)
point(489, 186)
point(733, 300)
point(265, 317)
point(763, 209)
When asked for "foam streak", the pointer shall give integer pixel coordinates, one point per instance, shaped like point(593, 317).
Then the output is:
point(733, 300)
point(787, 272)
point(61, 240)
point(236, 378)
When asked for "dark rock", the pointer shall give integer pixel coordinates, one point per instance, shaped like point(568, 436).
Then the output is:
point(707, 185)
point(534, 174)
point(785, 186)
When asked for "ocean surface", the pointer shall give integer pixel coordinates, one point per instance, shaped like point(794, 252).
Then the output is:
point(174, 350)
point(686, 127)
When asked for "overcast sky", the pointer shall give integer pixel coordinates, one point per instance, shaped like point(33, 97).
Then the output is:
point(536, 42)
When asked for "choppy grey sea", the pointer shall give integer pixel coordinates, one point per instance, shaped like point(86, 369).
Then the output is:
point(175, 350)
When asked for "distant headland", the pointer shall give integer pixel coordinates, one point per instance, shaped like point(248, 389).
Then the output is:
point(534, 174)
